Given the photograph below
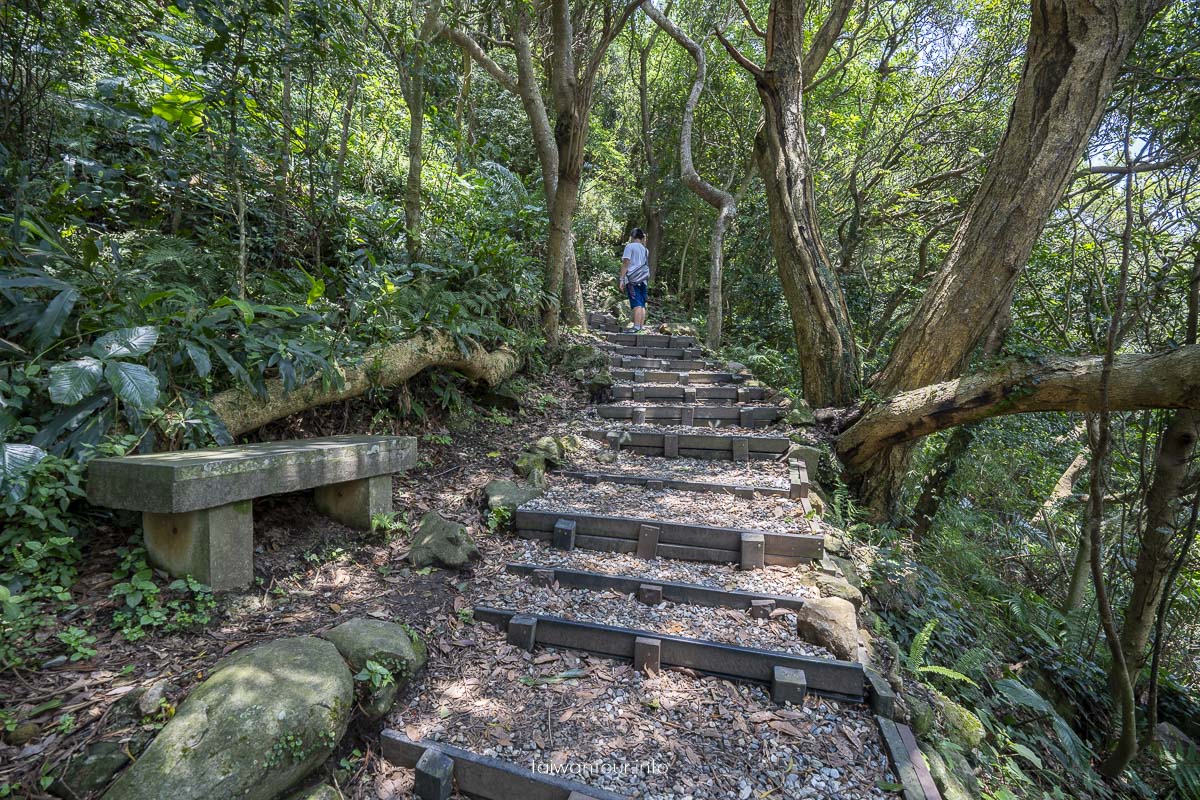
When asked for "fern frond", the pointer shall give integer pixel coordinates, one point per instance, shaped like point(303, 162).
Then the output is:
point(946, 672)
point(972, 660)
point(920, 644)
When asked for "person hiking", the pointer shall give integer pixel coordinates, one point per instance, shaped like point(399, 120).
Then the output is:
point(635, 272)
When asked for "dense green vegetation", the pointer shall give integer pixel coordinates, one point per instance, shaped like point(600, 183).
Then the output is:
point(203, 197)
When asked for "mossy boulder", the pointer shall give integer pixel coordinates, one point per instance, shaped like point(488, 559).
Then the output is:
point(440, 542)
point(264, 719)
point(581, 357)
point(506, 494)
point(322, 791)
point(90, 771)
point(962, 727)
point(948, 782)
point(389, 645)
point(800, 414)
point(831, 586)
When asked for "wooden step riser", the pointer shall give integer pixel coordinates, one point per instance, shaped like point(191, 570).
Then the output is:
point(684, 593)
point(837, 680)
point(790, 548)
point(648, 339)
point(656, 352)
point(714, 446)
point(683, 365)
point(679, 378)
point(486, 777)
point(699, 416)
point(654, 393)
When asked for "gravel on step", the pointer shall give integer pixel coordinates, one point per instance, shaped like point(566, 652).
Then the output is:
point(687, 430)
point(671, 736)
point(772, 474)
point(667, 401)
point(725, 625)
point(772, 579)
point(769, 513)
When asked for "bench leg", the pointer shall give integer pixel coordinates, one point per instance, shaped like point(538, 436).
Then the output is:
point(214, 545)
point(354, 503)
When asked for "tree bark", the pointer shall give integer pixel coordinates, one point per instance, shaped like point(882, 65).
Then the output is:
point(1164, 509)
point(243, 411)
point(721, 200)
point(1074, 51)
point(825, 343)
point(1169, 379)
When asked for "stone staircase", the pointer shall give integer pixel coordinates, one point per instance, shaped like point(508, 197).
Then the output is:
point(661, 630)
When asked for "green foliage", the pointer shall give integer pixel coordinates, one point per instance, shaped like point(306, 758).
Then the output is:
point(148, 605)
point(375, 676)
point(498, 519)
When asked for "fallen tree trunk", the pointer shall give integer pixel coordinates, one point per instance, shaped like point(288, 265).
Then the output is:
point(242, 411)
point(1169, 379)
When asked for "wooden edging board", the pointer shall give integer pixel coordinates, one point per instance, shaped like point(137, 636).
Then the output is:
point(687, 593)
point(786, 549)
point(487, 777)
point(837, 680)
point(700, 416)
point(653, 352)
point(694, 445)
point(710, 393)
point(907, 761)
point(668, 376)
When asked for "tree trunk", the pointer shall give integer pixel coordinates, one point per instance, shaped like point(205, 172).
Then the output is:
point(414, 98)
point(1074, 52)
point(719, 199)
point(1164, 501)
point(1169, 379)
point(573, 312)
point(243, 411)
point(933, 487)
point(825, 343)
point(1158, 537)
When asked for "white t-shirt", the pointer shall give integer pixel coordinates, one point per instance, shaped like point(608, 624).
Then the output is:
point(638, 255)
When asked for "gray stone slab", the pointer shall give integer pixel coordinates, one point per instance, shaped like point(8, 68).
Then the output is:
point(189, 480)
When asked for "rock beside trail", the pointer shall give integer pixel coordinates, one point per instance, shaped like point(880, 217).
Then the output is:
point(390, 645)
point(801, 413)
point(503, 493)
point(948, 782)
point(831, 586)
point(441, 542)
point(321, 791)
point(264, 719)
point(962, 727)
point(831, 623)
point(90, 771)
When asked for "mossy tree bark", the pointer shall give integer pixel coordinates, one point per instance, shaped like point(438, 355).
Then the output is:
point(242, 411)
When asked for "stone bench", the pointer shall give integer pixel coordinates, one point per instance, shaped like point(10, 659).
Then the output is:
point(196, 504)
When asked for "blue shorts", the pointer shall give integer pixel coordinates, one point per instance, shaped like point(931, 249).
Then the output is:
point(636, 292)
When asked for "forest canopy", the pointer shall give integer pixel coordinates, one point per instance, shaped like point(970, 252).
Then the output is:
point(966, 233)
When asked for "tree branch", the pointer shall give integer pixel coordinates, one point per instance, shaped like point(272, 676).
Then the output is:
point(471, 47)
point(750, 20)
point(1169, 379)
point(739, 57)
point(825, 38)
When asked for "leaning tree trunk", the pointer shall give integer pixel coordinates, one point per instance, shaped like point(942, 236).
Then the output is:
point(1074, 53)
point(243, 411)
